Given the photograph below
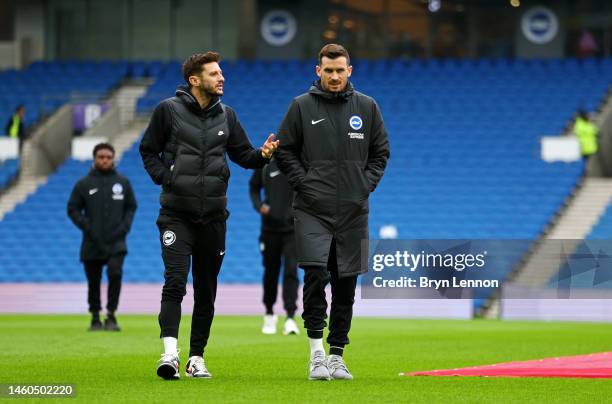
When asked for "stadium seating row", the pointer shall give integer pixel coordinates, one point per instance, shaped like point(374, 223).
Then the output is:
point(464, 159)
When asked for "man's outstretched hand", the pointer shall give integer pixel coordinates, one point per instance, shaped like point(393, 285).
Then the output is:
point(269, 147)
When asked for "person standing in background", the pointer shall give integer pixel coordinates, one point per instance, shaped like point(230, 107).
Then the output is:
point(277, 243)
point(586, 132)
point(15, 128)
point(102, 206)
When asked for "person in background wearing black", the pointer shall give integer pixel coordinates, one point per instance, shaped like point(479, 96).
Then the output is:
point(277, 243)
point(102, 205)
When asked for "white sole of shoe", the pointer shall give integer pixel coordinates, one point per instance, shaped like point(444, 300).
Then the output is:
point(197, 377)
point(318, 378)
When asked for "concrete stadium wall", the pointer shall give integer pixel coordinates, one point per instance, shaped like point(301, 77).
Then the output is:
point(602, 164)
point(134, 29)
point(30, 30)
point(108, 126)
point(10, 55)
point(51, 143)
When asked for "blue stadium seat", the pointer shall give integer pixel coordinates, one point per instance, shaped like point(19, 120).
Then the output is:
point(464, 162)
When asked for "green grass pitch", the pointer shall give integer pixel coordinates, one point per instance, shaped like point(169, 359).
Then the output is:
point(250, 367)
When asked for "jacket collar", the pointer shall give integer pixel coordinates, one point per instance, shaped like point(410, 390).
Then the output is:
point(317, 90)
point(184, 94)
point(100, 173)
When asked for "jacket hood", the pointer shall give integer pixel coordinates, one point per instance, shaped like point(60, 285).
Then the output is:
point(317, 89)
point(184, 94)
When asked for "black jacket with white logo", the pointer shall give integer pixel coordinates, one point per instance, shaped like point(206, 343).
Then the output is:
point(102, 205)
point(334, 150)
point(183, 149)
point(277, 194)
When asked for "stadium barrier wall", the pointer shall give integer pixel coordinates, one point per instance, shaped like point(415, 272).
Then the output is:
point(108, 126)
point(51, 143)
point(602, 165)
point(10, 54)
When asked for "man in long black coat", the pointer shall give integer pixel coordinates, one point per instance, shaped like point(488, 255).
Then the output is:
point(333, 150)
point(102, 206)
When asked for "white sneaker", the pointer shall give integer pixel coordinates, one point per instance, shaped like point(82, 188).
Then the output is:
point(290, 327)
point(337, 368)
point(197, 368)
point(168, 366)
point(317, 367)
point(269, 325)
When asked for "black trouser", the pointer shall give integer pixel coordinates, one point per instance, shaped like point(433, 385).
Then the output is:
point(93, 269)
point(274, 247)
point(315, 303)
point(205, 245)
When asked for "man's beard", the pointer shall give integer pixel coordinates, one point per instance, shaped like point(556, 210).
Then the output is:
point(207, 91)
point(327, 86)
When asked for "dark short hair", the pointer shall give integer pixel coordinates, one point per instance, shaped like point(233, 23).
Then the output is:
point(19, 107)
point(192, 66)
point(102, 146)
point(333, 51)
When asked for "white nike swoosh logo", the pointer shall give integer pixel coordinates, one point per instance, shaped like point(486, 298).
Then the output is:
point(93, 191)
point(274, 174)
point(316, 122)
point(222, 253)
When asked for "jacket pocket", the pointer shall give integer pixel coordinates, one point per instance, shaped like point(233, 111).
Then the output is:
point(318, 190)
point(354, 183)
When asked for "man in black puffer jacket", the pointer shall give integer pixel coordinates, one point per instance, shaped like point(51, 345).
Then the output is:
point(334, 150)
point(183, 150)
point(102, 205)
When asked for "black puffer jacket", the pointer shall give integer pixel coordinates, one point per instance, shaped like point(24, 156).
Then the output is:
point(184, 147)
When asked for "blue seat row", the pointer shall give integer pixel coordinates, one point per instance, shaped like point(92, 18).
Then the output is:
point(464, 158)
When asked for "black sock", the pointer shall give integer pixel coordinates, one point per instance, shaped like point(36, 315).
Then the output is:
point(110, 315)
point(336, 350)
point(290, 315)
point(95, 316)
point(314, 334)
point(269, 311)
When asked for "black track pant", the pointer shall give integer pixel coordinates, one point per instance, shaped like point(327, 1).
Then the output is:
point(204, 244)
point(93, 269)
point(315, 303)
point(275, 247)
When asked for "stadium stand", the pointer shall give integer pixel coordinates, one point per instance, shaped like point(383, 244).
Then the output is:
point(45, 86)
point(603, 229)
point(8, 171)
point(464, 161)
point(590, 260)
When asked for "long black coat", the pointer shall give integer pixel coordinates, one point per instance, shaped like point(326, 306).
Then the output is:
point(333, 150)
point(102, 205)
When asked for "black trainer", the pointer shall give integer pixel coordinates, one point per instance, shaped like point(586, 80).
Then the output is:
point(110, 324)
point(96, 325)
